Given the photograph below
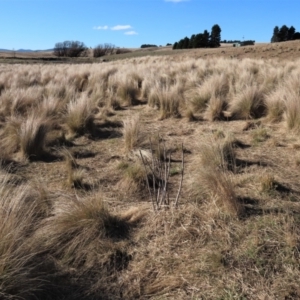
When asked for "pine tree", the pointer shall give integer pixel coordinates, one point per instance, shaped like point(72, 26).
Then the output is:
point(192, 41)
point(198, 40)
point(180, 44)
point(291, 32)
point(283, 33)
point(186, 42)
point(296, 36)
point(215, 36)
point(205, 42)
point(275, 37)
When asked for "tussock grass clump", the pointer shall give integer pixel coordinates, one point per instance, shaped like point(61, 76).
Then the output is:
point(112, 101)
point(33, 136)
point(166, 94)
point(77, 223)
point(215, 108)
point(248, 103)
point(214, 89)
point(212, 178)
point(20, 101)
point(153, 98)
point(127, 93)
point(83, 235)
point(292, 111)
point(10, 136)
point(132, 133)
point(80, 81)
point(80, 115)
point(275, 105)
point(169, 102)
point(51, 107)
point(198, 97)
point(133, 180)
point(76, 176)
point(21, 275)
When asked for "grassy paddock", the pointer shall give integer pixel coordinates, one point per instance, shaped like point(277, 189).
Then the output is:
point(76, 217)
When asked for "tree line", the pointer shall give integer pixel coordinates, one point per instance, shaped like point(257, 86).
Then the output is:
point(201, 40)
point(148, 46)
point(79, 49)
point(243, 43)
point(284, 33)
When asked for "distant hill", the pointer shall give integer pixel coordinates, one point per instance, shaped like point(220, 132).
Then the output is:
point(25, 50)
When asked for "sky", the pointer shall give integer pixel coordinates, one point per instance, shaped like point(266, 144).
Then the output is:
point(39, 24)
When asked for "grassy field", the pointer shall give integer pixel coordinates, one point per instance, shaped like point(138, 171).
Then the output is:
point(287, 50)
point(172, 176)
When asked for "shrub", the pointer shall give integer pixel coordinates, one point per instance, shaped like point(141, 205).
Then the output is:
point(70, 49)
point(103, 49)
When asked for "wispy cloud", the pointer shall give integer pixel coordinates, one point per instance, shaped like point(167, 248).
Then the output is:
point(117, 27)
point(121, 27)
point(100, 27)
point(130, 33)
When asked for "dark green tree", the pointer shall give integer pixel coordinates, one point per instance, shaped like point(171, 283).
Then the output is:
point(283, 33)
point(175, 46)
point(186, 42)
point(275, 37)
point(192, 41)
point(291, 32)
point(205, 41)
point(180, 44)
point(296, 36)
point(198, 40)
point(215, 36)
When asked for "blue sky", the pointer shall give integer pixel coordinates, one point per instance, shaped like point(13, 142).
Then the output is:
point(39, 24)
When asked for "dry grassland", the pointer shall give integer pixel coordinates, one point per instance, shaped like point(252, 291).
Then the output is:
point(82, 146)
point(284, 51)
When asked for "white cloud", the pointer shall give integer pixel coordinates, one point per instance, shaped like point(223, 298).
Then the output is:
point(101, 27)
point(121, 27)
point(130, 33)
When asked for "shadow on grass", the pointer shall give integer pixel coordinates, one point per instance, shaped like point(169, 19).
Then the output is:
point(242, 163)
point(104, 134)
point(46, 157)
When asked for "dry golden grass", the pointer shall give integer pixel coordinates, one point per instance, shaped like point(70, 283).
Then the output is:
point(248, 103)
point(292, 109)
point(21, 274)
point(79, 115)
point(275, 105)
point(212, 178)
point(76, 219)
point(32, 137)
point(132, 133)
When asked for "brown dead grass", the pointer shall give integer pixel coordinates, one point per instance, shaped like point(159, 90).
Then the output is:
point(235, 233)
